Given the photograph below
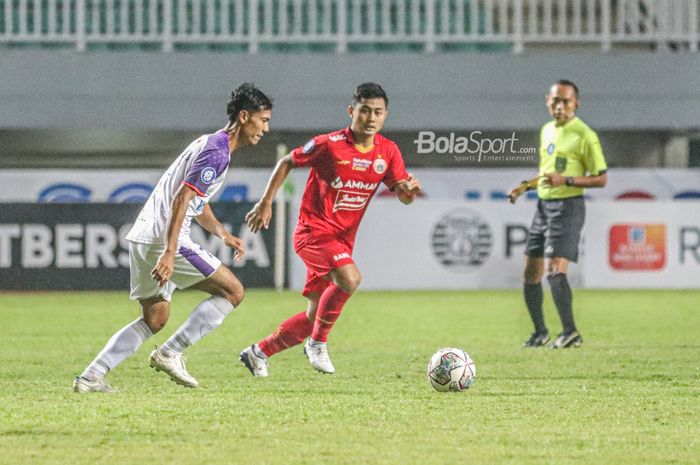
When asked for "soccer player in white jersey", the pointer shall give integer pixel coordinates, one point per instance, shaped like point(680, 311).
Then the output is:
point(163, 257)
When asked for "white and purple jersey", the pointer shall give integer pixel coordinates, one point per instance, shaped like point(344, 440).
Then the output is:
point(202, 166)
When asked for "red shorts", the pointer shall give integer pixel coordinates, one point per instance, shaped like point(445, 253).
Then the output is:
point(320, 258)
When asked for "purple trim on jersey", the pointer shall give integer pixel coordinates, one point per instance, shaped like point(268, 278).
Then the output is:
point(211, 162)
point(196, 261)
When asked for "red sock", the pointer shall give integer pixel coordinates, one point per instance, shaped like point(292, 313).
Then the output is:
point(291, 332)
point(329, 308)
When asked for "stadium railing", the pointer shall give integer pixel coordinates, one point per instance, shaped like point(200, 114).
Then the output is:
point(255, 26)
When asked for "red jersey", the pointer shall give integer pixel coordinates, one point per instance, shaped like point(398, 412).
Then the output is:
point(341, 183)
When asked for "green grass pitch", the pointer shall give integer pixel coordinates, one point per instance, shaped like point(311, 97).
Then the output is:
point(629, 395)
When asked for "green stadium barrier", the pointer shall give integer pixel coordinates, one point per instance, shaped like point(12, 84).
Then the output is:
point(99, 25)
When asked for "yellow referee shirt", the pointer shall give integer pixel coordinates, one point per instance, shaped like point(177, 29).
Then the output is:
point(572, 149)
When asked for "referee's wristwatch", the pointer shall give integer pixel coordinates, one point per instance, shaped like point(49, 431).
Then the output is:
point(569, 181)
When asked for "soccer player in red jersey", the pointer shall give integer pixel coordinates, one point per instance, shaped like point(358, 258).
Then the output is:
point(347, 167)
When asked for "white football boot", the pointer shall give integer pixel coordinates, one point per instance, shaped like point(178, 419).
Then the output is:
point(82, 385)
point(254, 360)
point(317, 352)
point(174, 367)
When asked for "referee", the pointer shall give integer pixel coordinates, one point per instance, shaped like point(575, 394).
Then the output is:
point(571, 159)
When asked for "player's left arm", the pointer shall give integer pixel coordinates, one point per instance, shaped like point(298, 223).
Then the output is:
point(210, 222)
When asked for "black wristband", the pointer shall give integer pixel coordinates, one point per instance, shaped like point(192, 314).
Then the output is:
point(570, 181)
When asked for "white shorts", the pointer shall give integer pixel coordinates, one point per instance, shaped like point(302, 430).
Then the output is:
point(192, 265)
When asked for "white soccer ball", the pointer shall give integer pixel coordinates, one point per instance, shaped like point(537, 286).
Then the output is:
point(451, 369)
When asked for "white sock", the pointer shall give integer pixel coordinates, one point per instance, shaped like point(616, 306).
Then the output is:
point(206, 317)
point(122, 344)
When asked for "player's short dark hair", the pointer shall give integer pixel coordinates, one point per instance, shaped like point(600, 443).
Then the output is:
point(566, 82)
point(247, 97)
point(368, 90)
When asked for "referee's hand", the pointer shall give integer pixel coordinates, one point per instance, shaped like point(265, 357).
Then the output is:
point(554, 179)
point(514, 194)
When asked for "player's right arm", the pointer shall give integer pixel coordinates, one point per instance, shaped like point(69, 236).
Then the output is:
point(259, 217)
point(306, 155)
point(166, 262)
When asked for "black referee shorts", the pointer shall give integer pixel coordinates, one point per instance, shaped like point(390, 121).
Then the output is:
point(556, 228)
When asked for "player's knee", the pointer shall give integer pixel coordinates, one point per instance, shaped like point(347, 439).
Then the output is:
point(350, 282)
point(532, 275)
point(155, 322)
point(234, 293)
point(554, 273)
point(311, 314)
point(555, 267)
point(156, 312)
point(312, 306)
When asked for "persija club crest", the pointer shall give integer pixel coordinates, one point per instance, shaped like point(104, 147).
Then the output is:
point(379, 165)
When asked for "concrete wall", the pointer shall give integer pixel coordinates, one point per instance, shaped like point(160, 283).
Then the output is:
point(67, 90)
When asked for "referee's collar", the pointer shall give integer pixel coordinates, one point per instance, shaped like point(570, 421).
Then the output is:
point(565, 124)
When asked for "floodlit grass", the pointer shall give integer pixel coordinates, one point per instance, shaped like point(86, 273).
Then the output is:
point(629, 395)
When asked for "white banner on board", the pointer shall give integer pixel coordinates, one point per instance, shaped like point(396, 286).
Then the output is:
point(643, 245)
point(440, 245)
point(453, 245)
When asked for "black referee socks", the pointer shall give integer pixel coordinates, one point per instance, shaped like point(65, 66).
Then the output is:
point(561, 293)
point(533, 300)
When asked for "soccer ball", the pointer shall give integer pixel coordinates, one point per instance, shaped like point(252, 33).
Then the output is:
point(451, 369)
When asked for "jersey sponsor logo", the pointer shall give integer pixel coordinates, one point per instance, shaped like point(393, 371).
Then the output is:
point(360, 164)
point(637, 247)
point(462, 241)
point(365, 186)
point(309, 146)
point(341, 256)
point(550, 149)
point(337, 183)
point(379, 165)
point(208, 175)
point(349, 200)
point(337, 137)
